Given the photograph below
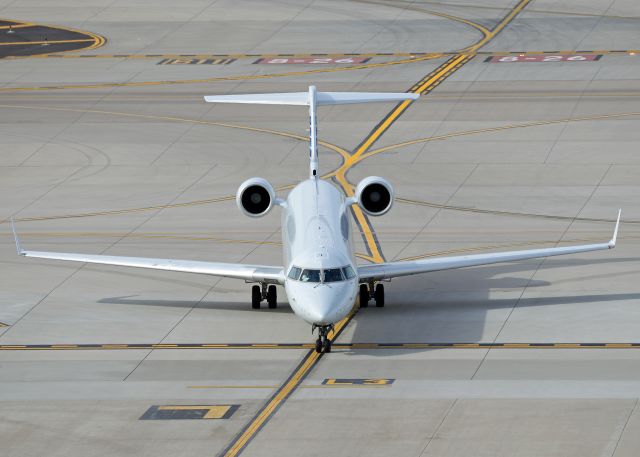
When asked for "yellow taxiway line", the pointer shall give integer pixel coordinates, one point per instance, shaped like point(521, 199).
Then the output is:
point(22, 43)
point(280, 396)
point(433, 79)
point(493, 212)
point(497, 129)
point(411, 7)
point(498, 28)
point(20, 25)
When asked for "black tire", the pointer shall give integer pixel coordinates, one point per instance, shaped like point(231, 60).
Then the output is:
point(379, 296)
point(272, 297)
point(326, 346)
point(318, 346)
point(256, 297)
point(364, 296)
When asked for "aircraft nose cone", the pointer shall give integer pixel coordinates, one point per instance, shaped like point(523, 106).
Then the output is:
point(320, 314)
point(321, 304)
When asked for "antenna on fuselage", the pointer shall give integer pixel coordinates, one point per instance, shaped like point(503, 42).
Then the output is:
point(313, 99)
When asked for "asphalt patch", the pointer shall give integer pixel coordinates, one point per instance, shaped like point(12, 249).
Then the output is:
point(27, 40)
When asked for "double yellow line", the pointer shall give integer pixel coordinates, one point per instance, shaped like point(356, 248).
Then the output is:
point(279, 397)
point(422, 87)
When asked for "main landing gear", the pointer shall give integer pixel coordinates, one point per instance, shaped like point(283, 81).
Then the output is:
point(323, 343)
point(368, 291)
point(264, 292)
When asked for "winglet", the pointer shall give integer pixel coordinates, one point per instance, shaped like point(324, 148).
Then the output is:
point(15, 236)
point(612, 242)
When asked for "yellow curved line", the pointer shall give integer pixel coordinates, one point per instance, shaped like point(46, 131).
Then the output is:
point(97, 39)
point(160, 235)
point(493, 247)
point(350, 161)
point(530, 10)
point(452, 65)
point(485, 31)
point(508, 213)
point(331, 146)
point(341, 151)
point(495, 129)
point(20, 25)
point(148, 235)
point(501, 25)
point(221, 78)
point(19, 43)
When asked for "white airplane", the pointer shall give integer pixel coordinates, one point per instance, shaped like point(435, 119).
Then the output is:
point(320, 274)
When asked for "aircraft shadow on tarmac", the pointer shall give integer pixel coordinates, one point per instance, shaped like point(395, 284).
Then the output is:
point(444, 307)
point(230, 306)
point(452, 307)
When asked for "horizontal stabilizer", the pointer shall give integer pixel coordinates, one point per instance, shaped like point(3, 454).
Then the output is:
point(313, 99)
point(303, 99)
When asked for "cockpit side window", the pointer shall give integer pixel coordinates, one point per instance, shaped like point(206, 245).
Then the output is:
point(348, 272)
point(294, 273)
point(310, 276)
point(332, 275)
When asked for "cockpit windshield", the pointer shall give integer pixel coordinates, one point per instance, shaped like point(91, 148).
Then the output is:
point(324, 275)
point(332, 275)
point(310, 275)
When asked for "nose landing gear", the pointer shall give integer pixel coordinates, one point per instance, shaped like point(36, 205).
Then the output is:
point(323, 343)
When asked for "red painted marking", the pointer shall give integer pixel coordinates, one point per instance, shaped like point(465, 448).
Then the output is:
point(545, 58)
point(313, 60)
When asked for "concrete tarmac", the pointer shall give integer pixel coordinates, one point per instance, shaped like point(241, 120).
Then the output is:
point(121, 156)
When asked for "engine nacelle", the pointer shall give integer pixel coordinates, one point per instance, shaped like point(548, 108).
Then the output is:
point(255, 197)
point(374, 195)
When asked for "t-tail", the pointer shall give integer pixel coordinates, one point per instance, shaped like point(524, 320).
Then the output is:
point(313, 99)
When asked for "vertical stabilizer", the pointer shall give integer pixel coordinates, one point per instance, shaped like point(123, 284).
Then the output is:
point(313, 133)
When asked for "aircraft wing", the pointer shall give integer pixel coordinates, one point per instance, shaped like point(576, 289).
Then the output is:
point(261, 273)
point(387, 270)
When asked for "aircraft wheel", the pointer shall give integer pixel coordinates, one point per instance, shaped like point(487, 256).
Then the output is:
point(318, 345)
point(364, 296)
point(272, 297)
point(326, 346)
point(256, 297)
point(379, 295)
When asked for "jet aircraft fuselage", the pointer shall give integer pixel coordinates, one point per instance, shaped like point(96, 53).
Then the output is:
point(320, 268)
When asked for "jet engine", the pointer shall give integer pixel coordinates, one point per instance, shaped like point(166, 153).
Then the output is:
point(255, 197)
point(374, 195)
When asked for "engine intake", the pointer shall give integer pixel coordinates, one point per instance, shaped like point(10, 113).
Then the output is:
point(255, 197)
point(374, 195)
